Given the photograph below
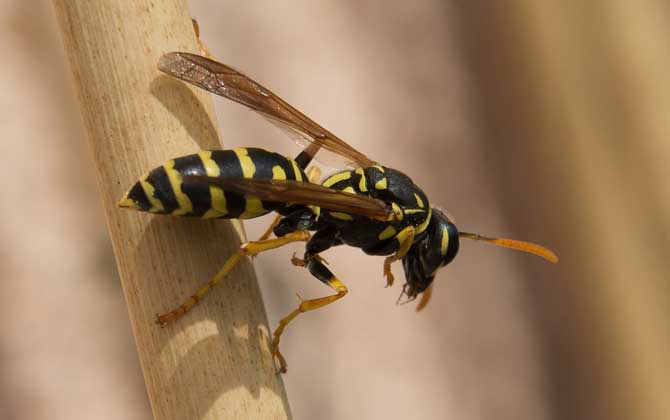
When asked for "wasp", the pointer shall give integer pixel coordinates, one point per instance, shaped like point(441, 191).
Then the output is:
point(367, 205)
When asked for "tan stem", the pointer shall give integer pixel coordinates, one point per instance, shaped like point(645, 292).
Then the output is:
point(215, 362)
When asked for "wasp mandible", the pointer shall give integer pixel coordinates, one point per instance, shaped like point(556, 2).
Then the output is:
point(368, 206)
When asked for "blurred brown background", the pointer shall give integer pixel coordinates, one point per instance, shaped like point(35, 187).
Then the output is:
point(546, 121)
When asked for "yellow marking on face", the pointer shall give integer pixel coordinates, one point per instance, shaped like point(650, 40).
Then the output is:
point(387, 233)
point(278, 172)
point(445, 241)
point(419, 201)
point(397, 211)
point(185, 205)
point(414, 211)
point(381, 184)
point(334, 179)
point(219, 207)
point(424, 224)
point(156, 204)
point(248, 167)
point(341, 216)
point(253, 208)
point(296, 171)
point(349, 190)
point(381, 169)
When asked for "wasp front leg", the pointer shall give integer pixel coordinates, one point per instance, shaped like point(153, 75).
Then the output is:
point(406, 239)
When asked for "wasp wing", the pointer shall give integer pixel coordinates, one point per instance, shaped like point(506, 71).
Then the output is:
point(305, 193)
point(225, 81)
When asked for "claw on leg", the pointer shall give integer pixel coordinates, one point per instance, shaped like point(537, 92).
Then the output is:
point(387, 272)
point(317, 268)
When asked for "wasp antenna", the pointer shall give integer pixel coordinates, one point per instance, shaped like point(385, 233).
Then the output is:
point(524, 246)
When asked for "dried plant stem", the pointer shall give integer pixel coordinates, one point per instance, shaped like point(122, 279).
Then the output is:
point(215, 362)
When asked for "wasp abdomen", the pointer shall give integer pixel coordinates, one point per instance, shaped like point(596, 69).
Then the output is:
point(163, 190)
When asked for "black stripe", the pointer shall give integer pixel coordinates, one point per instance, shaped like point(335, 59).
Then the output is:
point(163, 189)
point(197, 193)
point(138, 195)
point(340, 185)
point(230, 167)
point(265, 161)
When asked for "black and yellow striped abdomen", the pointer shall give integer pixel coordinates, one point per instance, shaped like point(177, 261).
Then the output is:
point(162, 190)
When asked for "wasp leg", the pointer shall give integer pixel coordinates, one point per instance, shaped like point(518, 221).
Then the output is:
point(318, 270)
point(250, 249)
point(406, 238)
point(270, 228)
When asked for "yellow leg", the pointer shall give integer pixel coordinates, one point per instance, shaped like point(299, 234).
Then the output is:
point(305, 306)
point(406, 238)
point(250, 249)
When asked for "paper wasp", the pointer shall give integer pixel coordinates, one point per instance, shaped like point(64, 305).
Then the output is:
point(369, 206)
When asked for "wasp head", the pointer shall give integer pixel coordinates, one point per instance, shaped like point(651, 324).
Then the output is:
point(434, 250)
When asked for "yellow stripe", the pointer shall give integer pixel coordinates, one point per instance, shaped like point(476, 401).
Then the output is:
point(253, 208)
point(402, 236)
point(387, 233)
point(296, 171)
point(381, 184)
point(211, 168)
point(341, 216)
point(248, 167)
point(156, 204)
point(419, 201)
point(445, 241)
point(424, 224)
point(219, 207)
point(381, 169)
point(362, 184)
point(397, 211)
point(278, 172)
point(414, 211)
point(185, 205)
point(349, 190)
point(316, 210)
point(332, 180)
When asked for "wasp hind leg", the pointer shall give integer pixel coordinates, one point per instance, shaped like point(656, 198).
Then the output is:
point(406, 238)
point(248, 249)
point(315, 266)
point(321, 241)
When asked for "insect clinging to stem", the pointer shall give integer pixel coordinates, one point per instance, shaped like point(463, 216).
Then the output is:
point(368, 206)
